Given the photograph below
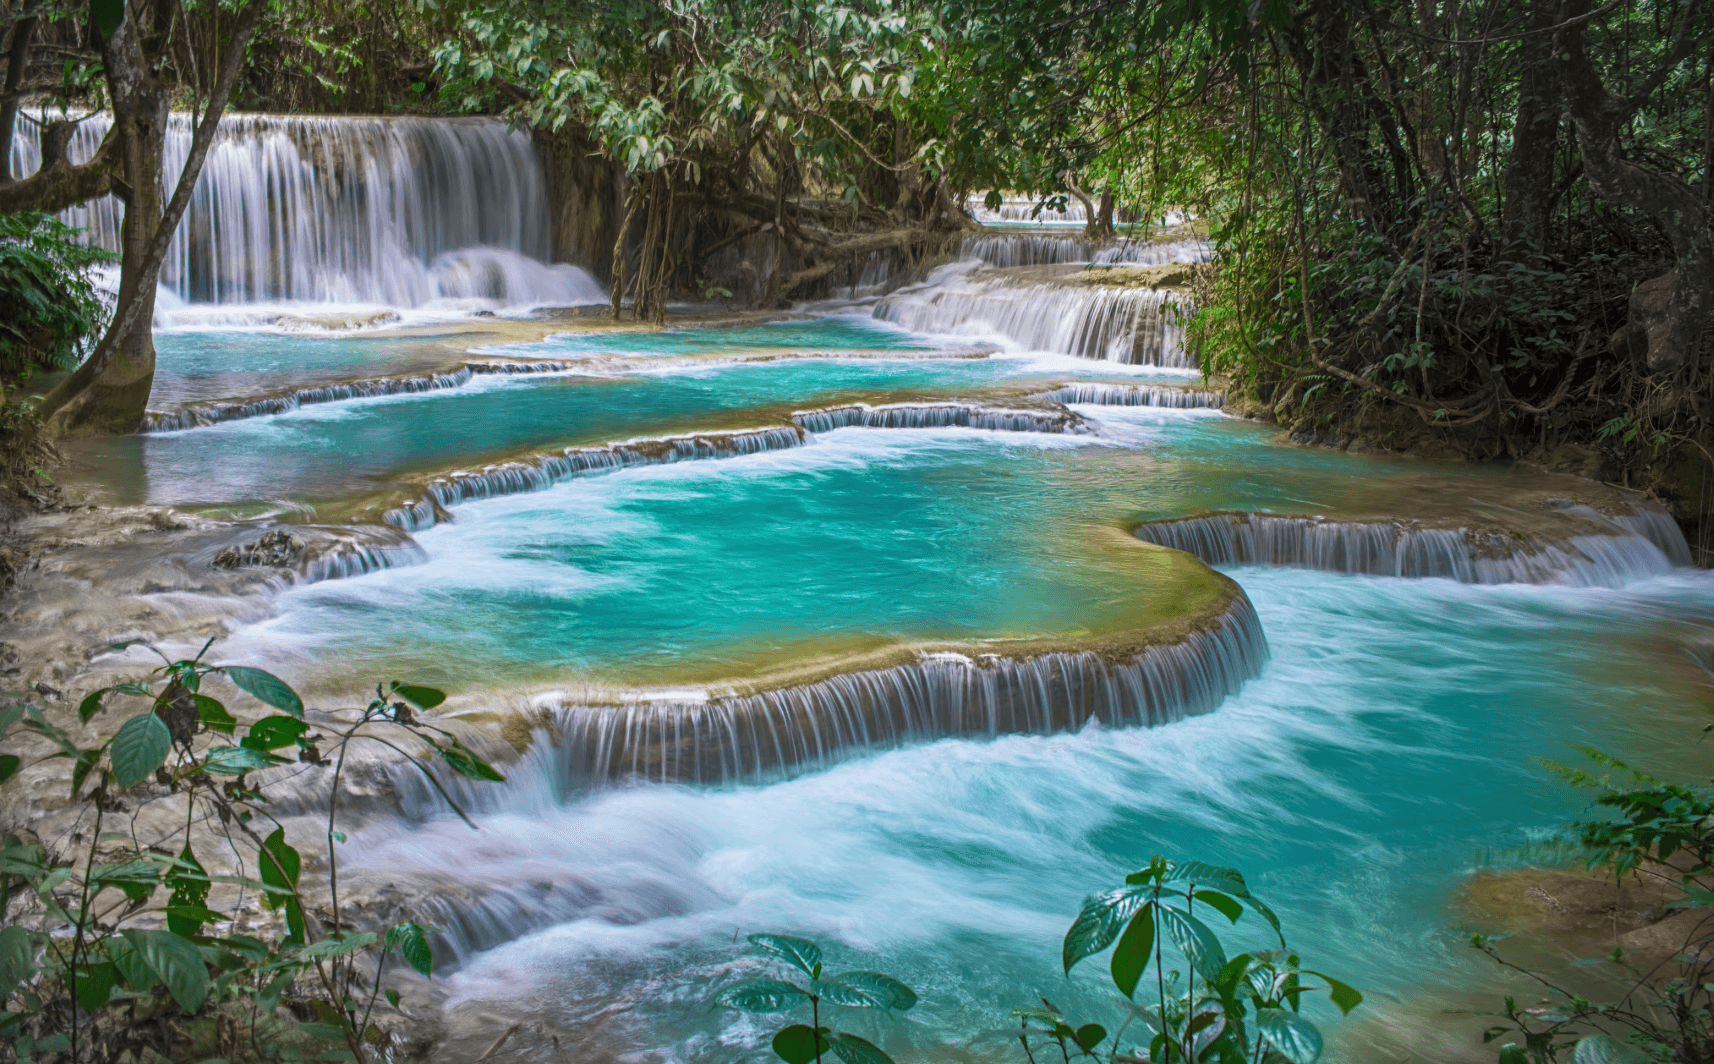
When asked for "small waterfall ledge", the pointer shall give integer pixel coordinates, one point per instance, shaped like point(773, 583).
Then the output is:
point(1138, 395)
point(1000, 248)
point(202, 415)
point(307, 554)
point(1115, 315)
point(539, 472)
point(1595, 549)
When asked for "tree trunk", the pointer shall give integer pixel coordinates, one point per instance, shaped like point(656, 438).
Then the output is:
point(110, 391)
point(17, 61)
point(1670, 313)
point(1535, 135)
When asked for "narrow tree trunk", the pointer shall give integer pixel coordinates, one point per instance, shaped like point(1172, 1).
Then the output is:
point(17, 61)
point(1529, 184)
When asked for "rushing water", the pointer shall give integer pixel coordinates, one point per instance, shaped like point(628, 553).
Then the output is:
point(1379, 754)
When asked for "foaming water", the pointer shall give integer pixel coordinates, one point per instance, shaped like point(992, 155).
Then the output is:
point(1325, 780)
point(388, 211)
point(1049, 248)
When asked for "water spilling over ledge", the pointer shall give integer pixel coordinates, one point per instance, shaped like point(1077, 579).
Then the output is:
point(199, 415)
point(944, 693)
point(1138, 395)
point(1045, 249)
point(394, 211)
point(540, 472)
point(1098, 314)
point(1595, 549)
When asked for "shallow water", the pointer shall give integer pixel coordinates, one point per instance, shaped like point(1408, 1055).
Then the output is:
point(1383, 753)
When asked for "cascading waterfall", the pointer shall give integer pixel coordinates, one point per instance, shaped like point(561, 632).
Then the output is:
point(1047, 249)
point(1023, 209)
point(1130, 325)
point(200, 415)
point(396, 211)
point(1138, 395)
point(938, 415)
point(544, 471)
point(1389, 548)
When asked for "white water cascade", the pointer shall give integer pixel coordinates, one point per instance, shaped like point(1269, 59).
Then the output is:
point(393, 211)
point(1027, 248)
point(1126, 324)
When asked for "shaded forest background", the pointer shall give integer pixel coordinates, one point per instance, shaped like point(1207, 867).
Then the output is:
point(1466, 228)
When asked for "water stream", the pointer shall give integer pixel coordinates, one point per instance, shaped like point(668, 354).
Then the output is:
point(638, 517)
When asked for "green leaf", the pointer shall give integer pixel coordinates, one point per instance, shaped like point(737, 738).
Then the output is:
point(853, 1050)
point(1089, 1036)
point(187, 906)
point(8, 766)
point(338, 944)
point(1099, 921)
point(1136, 948)
point(834, 992)
point(1292, 1036)
point(411, 940)
point(213, 715)
point(800, 953)
point(17, 959)
point(136, 973)
point(95, 985)
point(421, 697)
point(177, 962)
point(1510, 1053)
point(1194, 940)
point(266, 687)
point(1600, 1049)
point(1227, 907)
point(761, 995)
point(139, 749)
point(392, 998)
point(279, 865)
point(271, 733)
point(106, 15)
point(800, 1044)
point(90, 706)
point(466, 763)
point(1346, 997)
point(237, 760)
point(895, 994)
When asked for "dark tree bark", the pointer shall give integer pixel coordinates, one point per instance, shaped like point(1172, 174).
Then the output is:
point(110, 391)
point(1670, 313)
point(17, 61)
point(1529, 182)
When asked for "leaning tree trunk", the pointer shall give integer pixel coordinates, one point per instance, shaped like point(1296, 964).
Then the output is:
point(1670, 313)
point(110, 391)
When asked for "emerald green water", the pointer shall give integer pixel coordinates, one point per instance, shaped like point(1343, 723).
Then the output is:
point(1383, 754)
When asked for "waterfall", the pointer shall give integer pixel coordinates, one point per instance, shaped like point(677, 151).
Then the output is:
point(938, 415)
point(312, 553)
point(544, 471)
point(1132, 325)
point(1047, 249)
point(1391, 548)
point(396, 211)
point(1016, 209)
point(1138, 395)
point(199, 415)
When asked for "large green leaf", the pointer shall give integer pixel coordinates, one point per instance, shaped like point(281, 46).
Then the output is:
point(279, 865)
point(1225, 906)
point(132, 968)
point(1601, 1049)
point(853, 1050)
point(1346, 997)
point(800, 1044)
point(1292, 1036)
point(266, 687)
point(896, 994)
point(1194, 939)
point(90, 706)
point(1099, 921)
point(761, 995)
point(834, 992)
point(421, 697)
point(213, 715)
point(1135, 949)
point(1089, 1036)
point(271, 733)
point(464, 761)
point(177, 962)
point(17, 958)
point(237, 760)
point(95, 985)
point(8, 766)
point(411, 940)
point(139, 749)
point(800, 953)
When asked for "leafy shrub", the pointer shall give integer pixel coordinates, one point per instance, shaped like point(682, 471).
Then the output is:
point(50, 310)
